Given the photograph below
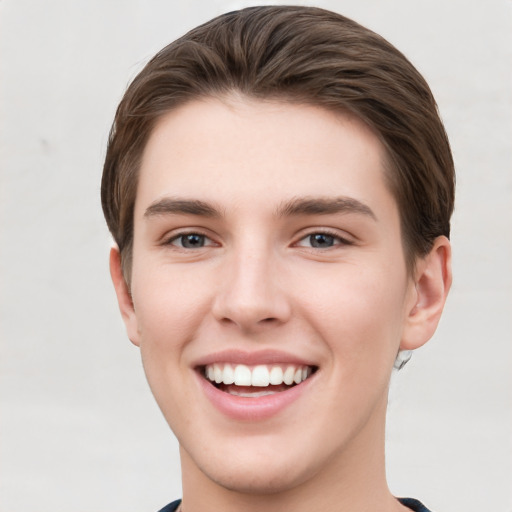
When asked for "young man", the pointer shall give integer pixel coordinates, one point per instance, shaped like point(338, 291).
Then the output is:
point(279, 186)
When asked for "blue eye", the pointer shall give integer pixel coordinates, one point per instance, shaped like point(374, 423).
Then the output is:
point(321, 240)
point(190, 241)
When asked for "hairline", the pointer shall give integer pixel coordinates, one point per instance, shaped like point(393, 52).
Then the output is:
point(227, 96)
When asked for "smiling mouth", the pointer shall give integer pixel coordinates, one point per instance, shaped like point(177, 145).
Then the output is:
point(255, 381)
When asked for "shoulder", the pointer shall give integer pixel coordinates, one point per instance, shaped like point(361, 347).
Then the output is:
point(171, 507)
point(414, 505)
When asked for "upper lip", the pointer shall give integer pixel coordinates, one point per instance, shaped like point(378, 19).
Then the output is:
point(236, 356)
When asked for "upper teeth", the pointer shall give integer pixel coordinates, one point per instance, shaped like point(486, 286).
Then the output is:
point(260, 375)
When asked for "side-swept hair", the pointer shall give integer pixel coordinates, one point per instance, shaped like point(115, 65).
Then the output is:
point(304, 55)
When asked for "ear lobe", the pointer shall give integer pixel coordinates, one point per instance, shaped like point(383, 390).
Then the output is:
point(433, 279)
point(124, 298)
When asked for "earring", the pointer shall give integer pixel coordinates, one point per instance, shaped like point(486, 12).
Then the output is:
point(402, 358)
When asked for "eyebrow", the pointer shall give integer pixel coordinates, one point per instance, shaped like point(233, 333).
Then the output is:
point(324, 206)
point(169, 205)
point(294, 207)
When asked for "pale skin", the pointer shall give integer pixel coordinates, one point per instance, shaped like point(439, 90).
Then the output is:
point(263, 226)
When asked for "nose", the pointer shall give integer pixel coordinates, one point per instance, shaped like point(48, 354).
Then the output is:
point(251, 294)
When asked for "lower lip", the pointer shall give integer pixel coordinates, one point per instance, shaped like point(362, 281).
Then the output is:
point(252, 409)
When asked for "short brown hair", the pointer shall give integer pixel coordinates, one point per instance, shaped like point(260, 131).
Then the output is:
point(304, 55)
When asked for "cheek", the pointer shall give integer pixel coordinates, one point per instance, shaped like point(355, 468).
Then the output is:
point(358, 312)
point(169, 307)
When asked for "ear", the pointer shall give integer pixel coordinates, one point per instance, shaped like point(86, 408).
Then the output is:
point(124, 297)
point(433, 278)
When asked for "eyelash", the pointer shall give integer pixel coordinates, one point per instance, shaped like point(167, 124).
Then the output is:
point(182, 235)
point(337, 240)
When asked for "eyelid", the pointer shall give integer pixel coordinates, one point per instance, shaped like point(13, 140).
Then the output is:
point(168, 238)
point(343, 240)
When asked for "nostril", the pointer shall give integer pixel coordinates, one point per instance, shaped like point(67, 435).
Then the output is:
point(250, 309)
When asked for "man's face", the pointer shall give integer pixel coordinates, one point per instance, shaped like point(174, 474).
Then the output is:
point(267, 250)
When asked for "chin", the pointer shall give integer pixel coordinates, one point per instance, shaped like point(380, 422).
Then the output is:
point(259, 479)
point(261, 465)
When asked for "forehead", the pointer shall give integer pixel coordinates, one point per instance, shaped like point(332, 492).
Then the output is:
point(240, 151)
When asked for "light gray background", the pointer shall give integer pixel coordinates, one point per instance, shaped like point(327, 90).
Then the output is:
point(79, 428)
